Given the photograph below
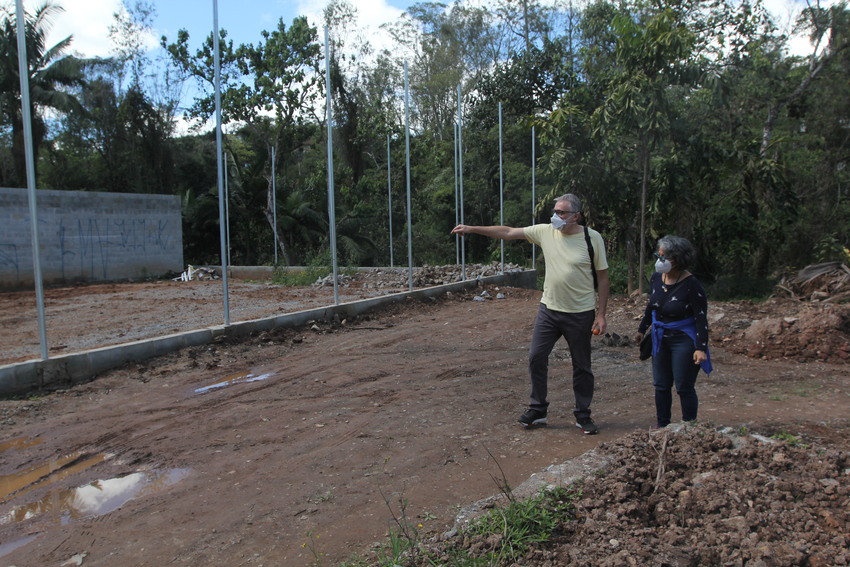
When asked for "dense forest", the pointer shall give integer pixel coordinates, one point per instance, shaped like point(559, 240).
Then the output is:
point(688, 117)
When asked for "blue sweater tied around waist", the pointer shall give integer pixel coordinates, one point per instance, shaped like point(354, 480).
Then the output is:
point(687, 326)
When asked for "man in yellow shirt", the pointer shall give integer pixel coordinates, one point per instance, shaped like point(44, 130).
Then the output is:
point(568, 307)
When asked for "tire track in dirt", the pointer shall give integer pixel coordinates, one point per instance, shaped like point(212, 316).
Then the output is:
point(350, 422)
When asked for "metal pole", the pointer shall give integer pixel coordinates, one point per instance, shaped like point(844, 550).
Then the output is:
point(501, 188)
point(220, 174)
point(407, 161)
point(23, 75)
point(533, 197)
point(460, 176)
point(227, 206)
point(457, 212)
point(274, 203)
point(390, 199)
point(331, 205)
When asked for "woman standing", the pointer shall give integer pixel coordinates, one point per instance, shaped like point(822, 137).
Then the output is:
point(676, 310)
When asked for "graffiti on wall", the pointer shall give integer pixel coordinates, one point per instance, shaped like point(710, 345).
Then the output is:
point(9, 259)
point(89, 247)
point(87, 236)
point(92, 248)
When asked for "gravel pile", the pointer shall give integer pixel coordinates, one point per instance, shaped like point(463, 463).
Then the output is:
point(691, 496)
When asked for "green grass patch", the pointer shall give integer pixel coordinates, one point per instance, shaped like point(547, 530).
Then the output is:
point(502, 536)
point(789, 438)
point(299, 277)
point(505, 534)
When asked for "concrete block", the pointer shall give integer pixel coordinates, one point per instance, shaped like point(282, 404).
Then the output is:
point(89, 236)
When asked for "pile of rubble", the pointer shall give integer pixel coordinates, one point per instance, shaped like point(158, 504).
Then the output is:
point(685, 495)
point(815, 320)
point(827, 282)
point(425, 276)
point(817, 332)
point(428, 276)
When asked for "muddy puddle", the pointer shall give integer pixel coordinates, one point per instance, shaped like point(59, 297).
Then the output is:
point(60, 507)
point(232, 380)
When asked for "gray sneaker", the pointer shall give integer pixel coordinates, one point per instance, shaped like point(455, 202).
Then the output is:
point(533, 417)
point(587, 426)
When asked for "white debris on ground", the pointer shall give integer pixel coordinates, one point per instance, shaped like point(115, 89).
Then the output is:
point(199, 273)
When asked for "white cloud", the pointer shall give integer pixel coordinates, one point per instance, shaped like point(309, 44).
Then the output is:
point(88, 21)
point(371, 15)
point(784, 11)
point(785, 14)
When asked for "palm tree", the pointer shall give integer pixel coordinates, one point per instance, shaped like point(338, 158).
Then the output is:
point(49, 74)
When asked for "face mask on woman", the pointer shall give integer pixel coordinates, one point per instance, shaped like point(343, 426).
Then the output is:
point(663, 266)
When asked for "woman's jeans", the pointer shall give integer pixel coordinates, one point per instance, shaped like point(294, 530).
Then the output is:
point(674, 365)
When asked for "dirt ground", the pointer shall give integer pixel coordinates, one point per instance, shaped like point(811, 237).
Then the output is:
point(302, 447)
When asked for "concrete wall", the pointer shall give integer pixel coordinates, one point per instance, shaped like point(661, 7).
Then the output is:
point(89, 236)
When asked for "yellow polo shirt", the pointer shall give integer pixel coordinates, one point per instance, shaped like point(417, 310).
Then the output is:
point(568, 285)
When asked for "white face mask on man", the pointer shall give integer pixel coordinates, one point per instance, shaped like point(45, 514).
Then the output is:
point(663, 266)
point(558, 222)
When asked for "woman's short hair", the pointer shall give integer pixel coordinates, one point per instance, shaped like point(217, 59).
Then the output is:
point(678, 249)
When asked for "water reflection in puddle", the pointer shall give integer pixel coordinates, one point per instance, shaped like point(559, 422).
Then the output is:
point(95, 499)
point(9, 547)
point(52, 471)
point(232, 380)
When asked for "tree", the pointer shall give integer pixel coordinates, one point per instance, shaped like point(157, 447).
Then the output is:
point(830, 35)
point(446, 48)
point(127, 33)
point(279, 76)
point(48, 73)
point(528, 24)
point(528, 84)
point(130, 34)
point(651, 51)
point(773, 136)
point(119, 142)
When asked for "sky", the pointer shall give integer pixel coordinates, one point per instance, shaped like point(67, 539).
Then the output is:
point(89, 20)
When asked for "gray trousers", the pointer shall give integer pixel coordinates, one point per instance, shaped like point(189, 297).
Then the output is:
point(548, 328)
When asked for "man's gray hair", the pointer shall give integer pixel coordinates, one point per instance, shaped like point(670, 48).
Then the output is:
point(575, 203)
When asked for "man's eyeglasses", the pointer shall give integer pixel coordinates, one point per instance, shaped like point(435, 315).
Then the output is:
point(563, 213)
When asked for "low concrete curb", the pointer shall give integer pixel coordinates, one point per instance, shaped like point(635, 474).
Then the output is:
point(64, 370)
point(553, 476)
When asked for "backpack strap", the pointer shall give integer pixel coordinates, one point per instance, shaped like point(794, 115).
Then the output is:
point(590, 251)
